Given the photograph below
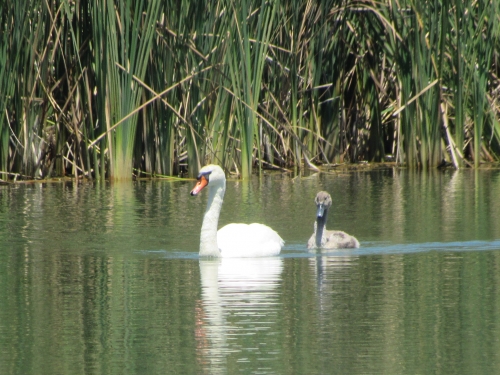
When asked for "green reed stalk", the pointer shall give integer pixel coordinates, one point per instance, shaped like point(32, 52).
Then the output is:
point(428, 103)
point(458, 81)
point(159, 132)
point(125, 35)
point(480, 64)
point(401, 23)
point(246, 59)
point(11, 46)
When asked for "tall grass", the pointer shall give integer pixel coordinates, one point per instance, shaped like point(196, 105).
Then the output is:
point(124, 34)
point(113, 88)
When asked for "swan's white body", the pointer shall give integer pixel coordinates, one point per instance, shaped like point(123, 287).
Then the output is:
point(328, 239)
point(233, 240)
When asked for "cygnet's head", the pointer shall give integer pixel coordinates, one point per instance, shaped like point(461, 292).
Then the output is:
point(210, 174)
point(323, 202)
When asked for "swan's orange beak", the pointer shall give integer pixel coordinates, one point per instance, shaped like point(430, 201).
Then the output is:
point(202, 182)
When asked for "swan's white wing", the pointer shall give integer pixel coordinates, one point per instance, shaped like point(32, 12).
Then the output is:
point(248, 240)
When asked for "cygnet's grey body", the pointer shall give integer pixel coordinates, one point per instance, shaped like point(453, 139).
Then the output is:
point(328, 239)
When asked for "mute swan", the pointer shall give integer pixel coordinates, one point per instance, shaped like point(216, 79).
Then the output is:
point(328, 239)
point(233, 240)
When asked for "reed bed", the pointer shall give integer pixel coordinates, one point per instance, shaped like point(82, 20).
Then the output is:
point(112, 88)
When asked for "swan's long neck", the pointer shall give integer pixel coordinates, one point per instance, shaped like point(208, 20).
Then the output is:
point(320, 226)
point(208, 239)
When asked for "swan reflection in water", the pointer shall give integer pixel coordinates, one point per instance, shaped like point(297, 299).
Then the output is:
point(238, 310)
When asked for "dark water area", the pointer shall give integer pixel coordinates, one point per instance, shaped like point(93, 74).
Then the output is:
point(106, 278)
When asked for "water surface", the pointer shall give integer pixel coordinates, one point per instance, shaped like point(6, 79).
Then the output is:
point(105, 278)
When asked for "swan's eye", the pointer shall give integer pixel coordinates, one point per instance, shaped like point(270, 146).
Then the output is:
point(204, 174)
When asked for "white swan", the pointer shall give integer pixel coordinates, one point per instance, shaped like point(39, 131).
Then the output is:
point(328, 239)
point(233, 240)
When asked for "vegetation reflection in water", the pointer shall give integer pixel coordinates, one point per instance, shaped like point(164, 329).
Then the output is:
point(106, 279)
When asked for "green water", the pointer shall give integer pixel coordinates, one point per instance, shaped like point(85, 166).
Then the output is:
point(105, 279)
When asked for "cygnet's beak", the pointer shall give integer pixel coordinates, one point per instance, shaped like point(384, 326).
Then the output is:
point(321, 210)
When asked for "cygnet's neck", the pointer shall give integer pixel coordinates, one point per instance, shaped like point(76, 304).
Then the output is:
point(208, 238)
point(319, 227)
